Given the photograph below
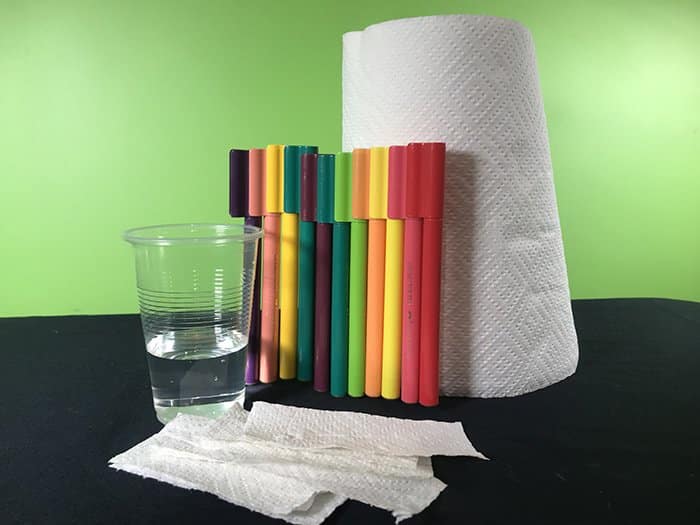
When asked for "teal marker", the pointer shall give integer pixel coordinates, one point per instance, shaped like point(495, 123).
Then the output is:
point(304, 193)
point(340, 213)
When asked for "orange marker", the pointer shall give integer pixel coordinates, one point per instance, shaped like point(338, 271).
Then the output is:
point(376, 247)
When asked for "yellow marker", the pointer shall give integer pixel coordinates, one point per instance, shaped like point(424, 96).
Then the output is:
point(289, 238)
point(274, 185)
point(378, 182)
point(393, 277)
point(391, 343)
point(289, 268)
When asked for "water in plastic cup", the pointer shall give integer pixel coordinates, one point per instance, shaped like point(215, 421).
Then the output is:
point(195, 290)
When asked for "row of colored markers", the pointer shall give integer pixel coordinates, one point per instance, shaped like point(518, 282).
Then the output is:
point(349, 292)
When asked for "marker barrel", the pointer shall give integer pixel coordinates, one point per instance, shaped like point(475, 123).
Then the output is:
point(357, 308)
point(322, 309)
point(376, 243)
point(340, 277)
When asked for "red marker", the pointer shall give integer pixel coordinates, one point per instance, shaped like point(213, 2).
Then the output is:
point(430, 207)
point(404, 196)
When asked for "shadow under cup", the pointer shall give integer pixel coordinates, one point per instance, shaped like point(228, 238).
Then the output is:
point(195, 288)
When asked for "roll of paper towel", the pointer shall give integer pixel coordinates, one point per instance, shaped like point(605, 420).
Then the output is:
point(471, 81)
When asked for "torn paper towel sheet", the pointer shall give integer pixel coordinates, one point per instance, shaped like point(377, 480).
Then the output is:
point(403, 495)
point(226, 441)
point(472, 82)
point(311, 428)
point(299, 485)
point(162, 457)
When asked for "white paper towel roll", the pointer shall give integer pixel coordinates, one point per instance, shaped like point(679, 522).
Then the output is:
point(471, 81)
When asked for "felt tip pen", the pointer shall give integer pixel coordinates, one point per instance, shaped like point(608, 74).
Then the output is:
point(306, 267)
point(289, 263)
point(432, 174)
point(289, 259)
point(393, 274)
point(357, 300)
point(411, 303)
point(238, 207)
point(339, 210)
point(256, 210)
point(376, 251)
point(272, 208)
point(324, 256)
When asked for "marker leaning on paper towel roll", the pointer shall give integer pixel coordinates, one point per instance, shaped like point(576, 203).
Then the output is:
point(357, 305)
point(376, 251)
point(239, 207)
point(404, 187)
point(340, 273)
point(269, 325)
point(324, 253)
point(432, 187)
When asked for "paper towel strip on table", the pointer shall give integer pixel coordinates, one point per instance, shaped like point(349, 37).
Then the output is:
point(299, 485)
point(472, 82)
point(320, 429)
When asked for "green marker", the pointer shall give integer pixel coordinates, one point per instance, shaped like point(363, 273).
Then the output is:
point(339, 213)
point(356, 206)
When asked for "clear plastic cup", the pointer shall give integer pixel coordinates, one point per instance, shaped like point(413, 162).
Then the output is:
point(195, 289)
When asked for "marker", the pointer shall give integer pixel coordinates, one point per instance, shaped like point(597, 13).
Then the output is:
point(256, 201)
point(405, 188)
point(306, 270)
point(340, 273)
point(269, 325)
point(430, 206)
point(357, 306)
point(238, 207)
point(289, 259)
point(376, 248)
point(393, 274)
point(324, 254)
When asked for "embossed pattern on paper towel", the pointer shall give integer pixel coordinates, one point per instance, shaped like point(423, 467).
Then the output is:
point(472, 82)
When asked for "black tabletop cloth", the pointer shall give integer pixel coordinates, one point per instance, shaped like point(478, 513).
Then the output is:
point(618, 442)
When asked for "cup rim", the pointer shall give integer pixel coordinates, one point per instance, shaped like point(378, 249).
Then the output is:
point(211, 233)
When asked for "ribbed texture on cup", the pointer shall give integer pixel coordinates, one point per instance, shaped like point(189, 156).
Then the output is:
point(162, 311)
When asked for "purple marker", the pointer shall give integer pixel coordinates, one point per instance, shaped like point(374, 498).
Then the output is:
point(324, 254)
point(322, 324)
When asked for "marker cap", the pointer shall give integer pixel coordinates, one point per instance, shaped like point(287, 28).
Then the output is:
point(256, 182)
point(342, 184)
point(292, 176)
point(425, 179)
point(378, 182)
point(432, 185)
point(414, 153)
point(309, 177)
point(325, 188)
point(360, 183)
point(396, 208)
point(274, 178)
point(238, 182)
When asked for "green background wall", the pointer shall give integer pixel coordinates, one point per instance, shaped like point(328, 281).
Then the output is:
point(119, 114)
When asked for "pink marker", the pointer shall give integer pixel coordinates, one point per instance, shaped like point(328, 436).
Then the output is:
point(404, 196)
